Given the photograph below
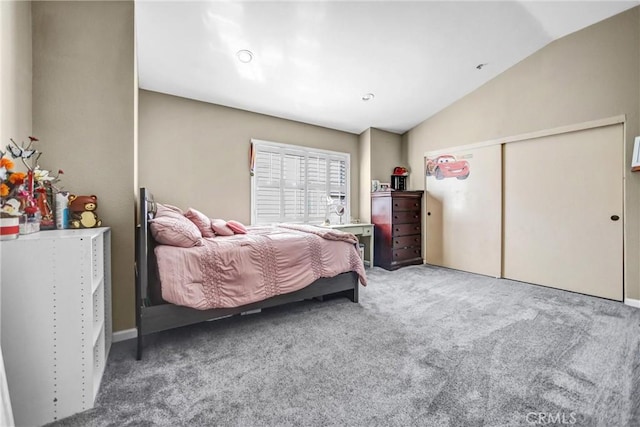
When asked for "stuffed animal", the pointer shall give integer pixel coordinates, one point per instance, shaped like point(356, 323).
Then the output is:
point(82, 212)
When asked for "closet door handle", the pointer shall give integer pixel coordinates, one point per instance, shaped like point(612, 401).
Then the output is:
point(614, 217)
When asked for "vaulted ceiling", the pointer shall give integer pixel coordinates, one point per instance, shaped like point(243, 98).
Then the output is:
point(315, 61)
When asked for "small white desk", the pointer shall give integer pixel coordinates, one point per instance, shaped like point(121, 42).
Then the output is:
point(364, 232)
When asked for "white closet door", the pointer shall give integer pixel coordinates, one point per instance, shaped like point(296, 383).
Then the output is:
point(562, 195)
point(464, 215)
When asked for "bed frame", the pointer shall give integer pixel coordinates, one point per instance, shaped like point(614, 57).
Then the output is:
point(155, 315)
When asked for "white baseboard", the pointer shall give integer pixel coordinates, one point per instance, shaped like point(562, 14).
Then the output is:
point(124, 335)
point(632, 302)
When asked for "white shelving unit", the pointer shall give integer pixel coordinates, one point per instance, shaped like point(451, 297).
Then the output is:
point(56, 321)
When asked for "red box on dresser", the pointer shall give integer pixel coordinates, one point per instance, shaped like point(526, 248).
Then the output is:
point(397, 216)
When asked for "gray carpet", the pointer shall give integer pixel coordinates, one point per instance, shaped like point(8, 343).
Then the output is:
point(425, 346)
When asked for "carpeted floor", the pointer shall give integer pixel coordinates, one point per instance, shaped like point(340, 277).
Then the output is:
point(426, 346)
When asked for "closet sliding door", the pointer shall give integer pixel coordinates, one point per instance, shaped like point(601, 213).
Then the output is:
point(464, 210)
point(563, 206)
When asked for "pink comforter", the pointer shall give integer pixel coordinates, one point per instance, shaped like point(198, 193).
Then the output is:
point(237, 270)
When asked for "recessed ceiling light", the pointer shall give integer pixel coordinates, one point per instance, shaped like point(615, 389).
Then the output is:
point(244, 55)
point(368, 96)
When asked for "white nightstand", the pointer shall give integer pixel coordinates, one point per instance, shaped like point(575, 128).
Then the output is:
point(364, 232)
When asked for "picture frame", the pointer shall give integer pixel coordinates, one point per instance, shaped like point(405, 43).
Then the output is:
point(375, 185)
point(635, 159)
point(385, 186)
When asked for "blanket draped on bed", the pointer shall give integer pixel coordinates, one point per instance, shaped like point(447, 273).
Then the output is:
point(244, 268)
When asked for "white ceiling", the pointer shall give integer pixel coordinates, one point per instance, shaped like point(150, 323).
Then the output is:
point(313, 61)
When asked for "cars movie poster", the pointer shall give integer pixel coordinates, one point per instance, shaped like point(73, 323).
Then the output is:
point(448, 166)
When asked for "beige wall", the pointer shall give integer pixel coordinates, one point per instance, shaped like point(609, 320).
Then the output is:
point(380, 152)
point(386, 154)
point(404, 153)
point(591, 74)
point(364, 149)
point(15, 77)
point(194, 154)
point(15, 71)
point(83, 111)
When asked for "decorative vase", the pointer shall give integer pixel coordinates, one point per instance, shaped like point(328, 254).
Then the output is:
point(9, 228)
point(30, 220)
point(29, 223)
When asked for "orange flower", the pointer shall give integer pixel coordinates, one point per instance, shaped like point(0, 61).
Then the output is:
point(17, 178)
point(8, 164)
point(4, 190)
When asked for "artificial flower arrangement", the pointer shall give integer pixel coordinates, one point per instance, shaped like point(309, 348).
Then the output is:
point(18, 189)
point(11, 184)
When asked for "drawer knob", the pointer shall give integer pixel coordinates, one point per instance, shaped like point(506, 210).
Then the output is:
point(396, 205)
point(396, 217)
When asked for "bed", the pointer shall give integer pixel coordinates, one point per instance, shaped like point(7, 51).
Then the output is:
point(154, 312)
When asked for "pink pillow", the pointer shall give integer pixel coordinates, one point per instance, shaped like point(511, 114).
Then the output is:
point(201, 221)
point(167, 210)
point(237, 227)
point(177, 231)
point(221, 228)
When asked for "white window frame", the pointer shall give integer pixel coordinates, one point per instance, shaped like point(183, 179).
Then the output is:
point(298, 149)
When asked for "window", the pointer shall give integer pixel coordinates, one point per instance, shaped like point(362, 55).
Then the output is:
point(298, 184)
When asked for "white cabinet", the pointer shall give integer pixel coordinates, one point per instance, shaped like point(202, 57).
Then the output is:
point(55, 320)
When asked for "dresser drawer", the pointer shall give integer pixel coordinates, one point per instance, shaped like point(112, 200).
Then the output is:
point(403, 204)
point(406, 241)
point(406, 254)
point(405, 229)
point(405, 217)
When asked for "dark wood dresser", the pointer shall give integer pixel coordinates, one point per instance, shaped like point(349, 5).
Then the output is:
point(398, 228)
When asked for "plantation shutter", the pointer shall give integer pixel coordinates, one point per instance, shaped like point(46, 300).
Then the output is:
point(293, 186)
point(337, 186)
point(296, 184)
point(268, 169)
point(317, 187)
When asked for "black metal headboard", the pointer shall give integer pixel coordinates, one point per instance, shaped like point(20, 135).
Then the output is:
point(144, 248)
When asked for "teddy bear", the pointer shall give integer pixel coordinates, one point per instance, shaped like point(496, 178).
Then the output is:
point(82, 212)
